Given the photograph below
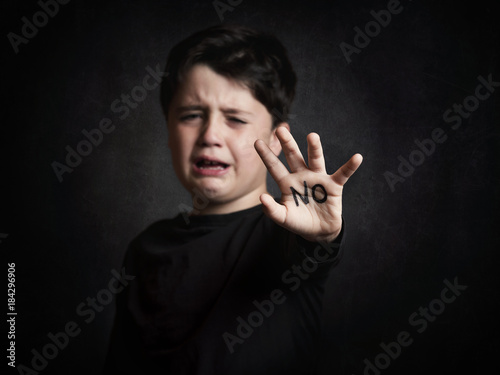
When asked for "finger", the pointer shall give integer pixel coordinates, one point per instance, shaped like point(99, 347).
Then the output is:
point(315, 156)
point(291, 150)
point(271, 161)
point(273, 209)
point(347, 170)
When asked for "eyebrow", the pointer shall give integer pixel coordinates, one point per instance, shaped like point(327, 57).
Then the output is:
point(189, 108)
point(230, 111)
point(234, 111)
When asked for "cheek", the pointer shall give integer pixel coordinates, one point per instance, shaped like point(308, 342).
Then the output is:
point(242, 149)
point(181, 144)
point(245, 142)
point(249, 162)
point(246, 147)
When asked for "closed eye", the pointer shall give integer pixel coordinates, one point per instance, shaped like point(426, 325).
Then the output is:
point(190, 117)
point(237, 120)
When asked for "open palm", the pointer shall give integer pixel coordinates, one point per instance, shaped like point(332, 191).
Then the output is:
point(311, 200)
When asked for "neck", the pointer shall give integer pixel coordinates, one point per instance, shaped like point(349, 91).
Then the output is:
point(226, 207)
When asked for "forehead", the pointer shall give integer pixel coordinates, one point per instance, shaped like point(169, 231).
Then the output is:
point(204, 87)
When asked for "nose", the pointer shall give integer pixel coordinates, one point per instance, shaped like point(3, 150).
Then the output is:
point(211, 132)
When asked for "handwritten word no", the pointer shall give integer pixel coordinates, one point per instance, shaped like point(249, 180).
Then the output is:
point(305, 198)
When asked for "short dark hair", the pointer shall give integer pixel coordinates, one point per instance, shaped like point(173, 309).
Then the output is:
point(256, 59)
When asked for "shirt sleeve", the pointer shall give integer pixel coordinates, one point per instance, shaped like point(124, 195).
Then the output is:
point(320, 255)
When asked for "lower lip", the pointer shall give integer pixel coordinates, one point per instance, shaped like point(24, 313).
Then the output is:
point(210, 172)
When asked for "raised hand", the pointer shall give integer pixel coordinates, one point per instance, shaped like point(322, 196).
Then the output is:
point(311, 200)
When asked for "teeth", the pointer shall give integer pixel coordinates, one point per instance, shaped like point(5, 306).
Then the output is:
point(210, 167)
point(209, 164)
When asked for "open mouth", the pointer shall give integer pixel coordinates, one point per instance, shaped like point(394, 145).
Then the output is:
point(206, 164)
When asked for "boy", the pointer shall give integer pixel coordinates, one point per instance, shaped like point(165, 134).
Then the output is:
point(237, 288)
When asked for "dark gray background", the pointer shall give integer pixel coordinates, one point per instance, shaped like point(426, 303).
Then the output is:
point(439, 224)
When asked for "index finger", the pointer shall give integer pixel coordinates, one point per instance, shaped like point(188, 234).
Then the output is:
point(274, 165)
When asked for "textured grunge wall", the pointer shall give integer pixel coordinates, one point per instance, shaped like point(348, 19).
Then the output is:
point(417, 95)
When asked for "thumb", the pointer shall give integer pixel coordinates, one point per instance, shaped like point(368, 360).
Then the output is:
point(273, 209)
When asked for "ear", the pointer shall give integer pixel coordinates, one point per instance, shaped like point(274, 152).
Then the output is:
point(274, 143)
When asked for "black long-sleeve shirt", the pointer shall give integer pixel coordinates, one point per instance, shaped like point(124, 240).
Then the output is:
point(220, 294)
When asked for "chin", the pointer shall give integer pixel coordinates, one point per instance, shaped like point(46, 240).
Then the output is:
point(212, 190)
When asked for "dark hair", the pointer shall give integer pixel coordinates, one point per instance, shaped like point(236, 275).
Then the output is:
point(256, 59)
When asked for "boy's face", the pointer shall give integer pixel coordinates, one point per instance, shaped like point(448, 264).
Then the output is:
point(213, 123)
